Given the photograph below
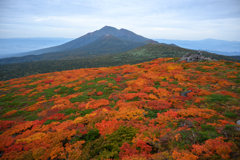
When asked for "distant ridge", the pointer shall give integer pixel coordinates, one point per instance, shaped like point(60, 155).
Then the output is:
point(91, 37)
point(105, 44)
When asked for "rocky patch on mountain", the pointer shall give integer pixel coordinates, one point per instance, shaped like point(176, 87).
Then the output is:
point(195, 58)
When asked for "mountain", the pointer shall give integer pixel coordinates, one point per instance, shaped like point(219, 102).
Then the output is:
point(106, 44)
point(13, 47)
point(141, 54)
point(91, 37)
point(211, 45)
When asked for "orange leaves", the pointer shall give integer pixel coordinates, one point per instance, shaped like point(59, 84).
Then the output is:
point(229, 93)
point(131, 152)
point(198, 100)
point(76, 88)
point(49, 81)
point(183, 155)
point(163, 119)
point(32, 137)
point(177, 136)
point(172, 66)
point(94, 104)
point(130, 96)
point(138, 84)
point(74, 151)
point(126, 113)
point(92, 92)
point(133, 104)
point(35, 106)
point(211, 146)
point(19, 128)
point(152, 96)
point(5, 124)
point(85, 119)
point(63, 126)
point(177, 89)
point(99, 93)
point(10, 113)
point(159, 104)
point(194, 112)
point(2, 95)
point(163, 84)
point(162, 93)
point(224, 122)
point(224, 83)
point(179, 77)
point(108, 127)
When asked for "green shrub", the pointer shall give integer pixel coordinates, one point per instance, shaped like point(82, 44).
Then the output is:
point(153, 113)
point(68, 111)
point(218, 97)
point(87, 111)
point(110, 146)
point(48, 121)
point(230, 114)
point(207, 128)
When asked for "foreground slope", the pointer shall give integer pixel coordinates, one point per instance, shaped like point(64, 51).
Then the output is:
point(124, 112)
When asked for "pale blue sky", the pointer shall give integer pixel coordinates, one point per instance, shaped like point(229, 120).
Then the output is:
point(155, 19)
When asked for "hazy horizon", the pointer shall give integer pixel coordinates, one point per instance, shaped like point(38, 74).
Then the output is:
point(157, 19)
point(90, 32)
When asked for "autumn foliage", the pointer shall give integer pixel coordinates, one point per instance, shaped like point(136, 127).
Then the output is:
point(124, 112)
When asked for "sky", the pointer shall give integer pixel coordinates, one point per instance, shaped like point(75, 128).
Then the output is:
point(155, 19)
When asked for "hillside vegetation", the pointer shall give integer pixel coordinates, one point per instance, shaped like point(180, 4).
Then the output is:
point(141, 54)
point(124, 112)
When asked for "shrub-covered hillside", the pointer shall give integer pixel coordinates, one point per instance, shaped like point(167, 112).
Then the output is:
point(125, 112)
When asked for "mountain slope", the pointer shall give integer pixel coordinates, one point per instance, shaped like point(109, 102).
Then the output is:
point(106, 44)
point(138, 55)
point(152, 51)
point(91, 37)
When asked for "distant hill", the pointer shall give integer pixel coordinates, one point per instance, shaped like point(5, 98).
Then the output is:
point(91, 37)
point(137, 55)
point(106, 44)
point(225, 53)
point(211, 45)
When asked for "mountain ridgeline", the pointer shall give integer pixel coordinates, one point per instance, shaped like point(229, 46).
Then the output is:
point(106, 45)
point(107, 40)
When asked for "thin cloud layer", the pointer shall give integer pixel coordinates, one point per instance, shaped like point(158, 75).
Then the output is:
point(173, 19)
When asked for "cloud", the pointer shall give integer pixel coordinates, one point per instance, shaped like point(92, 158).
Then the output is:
point(214, 17)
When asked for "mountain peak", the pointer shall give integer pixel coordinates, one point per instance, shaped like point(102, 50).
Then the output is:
point(108, 28)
